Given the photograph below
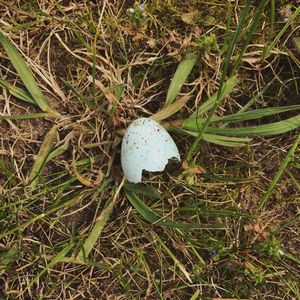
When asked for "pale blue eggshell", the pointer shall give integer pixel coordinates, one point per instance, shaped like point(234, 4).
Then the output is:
point(146, 146)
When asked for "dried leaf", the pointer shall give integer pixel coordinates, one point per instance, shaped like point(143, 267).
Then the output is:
point(170, 110)
point(80, 178)
point(25, 73)
point(138, 37)
point(182, 72)
point(45, 149)
point(248, 227)
point(250, 266)
point(190, 18)
point(151, 43)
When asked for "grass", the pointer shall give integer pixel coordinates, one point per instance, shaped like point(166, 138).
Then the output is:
point(221, 78)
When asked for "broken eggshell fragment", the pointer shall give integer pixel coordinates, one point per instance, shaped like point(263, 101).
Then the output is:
point(146, 146)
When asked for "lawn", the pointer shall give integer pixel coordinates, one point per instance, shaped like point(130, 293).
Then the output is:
point(222, 77)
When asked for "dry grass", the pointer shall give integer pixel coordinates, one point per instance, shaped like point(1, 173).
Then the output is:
point(82, 54)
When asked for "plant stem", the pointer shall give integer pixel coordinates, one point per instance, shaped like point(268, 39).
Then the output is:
point(225, 69)
point(282, 168)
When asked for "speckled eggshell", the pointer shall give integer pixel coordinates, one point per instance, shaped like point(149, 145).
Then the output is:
point(146, 146)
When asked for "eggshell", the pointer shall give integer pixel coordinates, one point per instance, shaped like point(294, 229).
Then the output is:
point(146, 146)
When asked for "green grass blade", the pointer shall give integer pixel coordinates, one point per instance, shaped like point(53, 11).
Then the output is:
point(22, 226)
point(295, 181)
point(229, 52)
point(278, 175)
point(143, 189)
point(183, 70)
point(90, 104)
point(25, 73)
point(17, 92)
point(272, 23)
point(255, 114)
point(260, 130)
point(96, 232)
point(292, 258)
point(45, 149)
point(58, 151)
point(7, 172)
point(252, 100)
point(170, 109)
point(9, 257)
point(175, 259)
point(144, 210)
point(99, 224)
point(249, 33)
point(118, 91)
point(266, 52)
point(196, 295)
point(149, 215)
point(227, 141)
point(57, 259)
point(28, 117)
point(216, 212)
point(227, 88)
point(193, 124)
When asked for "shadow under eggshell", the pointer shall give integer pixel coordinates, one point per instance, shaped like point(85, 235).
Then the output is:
point(146, 146)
